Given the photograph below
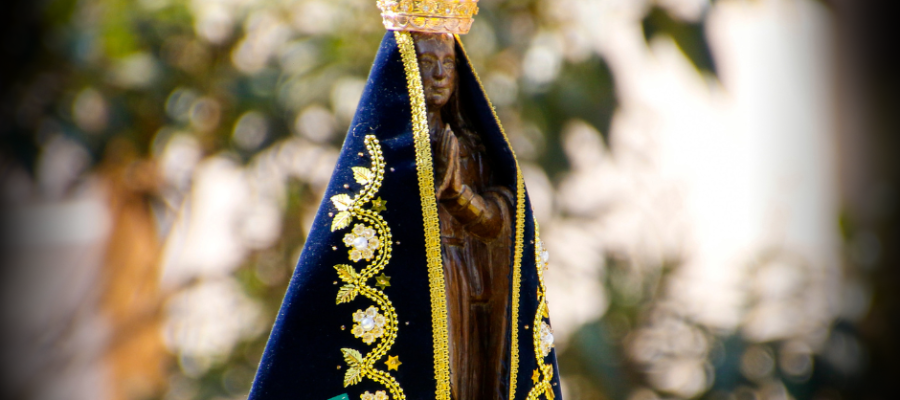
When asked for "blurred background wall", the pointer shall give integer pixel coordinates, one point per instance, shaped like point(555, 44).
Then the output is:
point(715, 182)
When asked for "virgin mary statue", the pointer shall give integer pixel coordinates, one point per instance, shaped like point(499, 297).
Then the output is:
point(422, 276)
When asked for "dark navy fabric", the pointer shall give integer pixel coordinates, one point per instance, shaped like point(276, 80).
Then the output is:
point(302, 357)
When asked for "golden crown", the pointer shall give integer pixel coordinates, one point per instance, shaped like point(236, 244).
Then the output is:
point(439, 16)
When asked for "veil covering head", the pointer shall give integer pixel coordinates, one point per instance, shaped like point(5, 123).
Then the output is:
point(365, 314)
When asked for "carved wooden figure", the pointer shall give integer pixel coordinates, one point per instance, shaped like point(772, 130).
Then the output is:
point(476, 221)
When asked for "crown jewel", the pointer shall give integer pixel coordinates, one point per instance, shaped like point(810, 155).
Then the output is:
point(439, 16)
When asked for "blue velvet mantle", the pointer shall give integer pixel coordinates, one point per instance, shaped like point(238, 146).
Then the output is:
point(303, 359)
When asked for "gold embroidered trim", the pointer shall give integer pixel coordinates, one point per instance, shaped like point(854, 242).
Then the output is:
point(520, 239)
point(517, 275)
point(371, 238)
point(541, 347)
point(429, 213)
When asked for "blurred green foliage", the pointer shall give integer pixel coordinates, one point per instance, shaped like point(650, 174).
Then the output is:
point(162, 66)
point(689, 36)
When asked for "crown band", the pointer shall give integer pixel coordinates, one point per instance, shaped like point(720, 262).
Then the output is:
point(437, 16)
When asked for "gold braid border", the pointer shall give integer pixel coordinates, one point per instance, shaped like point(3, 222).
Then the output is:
point(429, 213)
point(355, 283)
point(520, 239)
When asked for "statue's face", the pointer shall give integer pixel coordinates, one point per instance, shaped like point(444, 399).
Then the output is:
point(437, 64)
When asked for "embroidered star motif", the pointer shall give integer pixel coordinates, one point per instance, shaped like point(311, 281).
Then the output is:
point(393, 362)
point(536, 376)
point(382, 281)
point(378, 205)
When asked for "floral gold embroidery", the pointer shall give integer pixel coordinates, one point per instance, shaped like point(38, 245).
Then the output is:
point(369, 324)
point(369, 240)
point(362, 243)
point(546, 339)
point(542, 333)
point(543, 257)
point(378, 395)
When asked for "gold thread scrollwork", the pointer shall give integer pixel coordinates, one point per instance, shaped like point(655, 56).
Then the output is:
point(369, 240)
point(542, 334)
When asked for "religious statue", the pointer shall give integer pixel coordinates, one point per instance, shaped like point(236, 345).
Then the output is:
point(422, 276)
point(476, 229)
